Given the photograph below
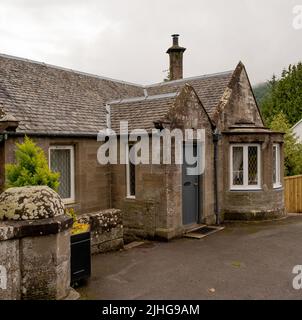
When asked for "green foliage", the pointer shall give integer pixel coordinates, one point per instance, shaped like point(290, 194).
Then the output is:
point(31, 168)
point(285, 95)
point(77, 227)
point(71, 213)
point(292, 148)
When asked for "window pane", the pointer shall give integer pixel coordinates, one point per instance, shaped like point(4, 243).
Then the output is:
point(131, 176)
point(60, 162)
point(274, 164)
point(237, 166)
point(132, 179)
point(252, 165)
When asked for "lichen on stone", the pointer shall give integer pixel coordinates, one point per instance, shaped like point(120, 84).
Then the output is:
point(30, 203)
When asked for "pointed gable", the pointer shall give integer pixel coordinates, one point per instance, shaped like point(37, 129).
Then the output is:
point(238, 106)
point(188, 111)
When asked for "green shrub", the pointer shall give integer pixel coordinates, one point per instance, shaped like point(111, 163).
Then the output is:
point(71, 213)
point(31, 168)
point(77, 227)
point(292, 147)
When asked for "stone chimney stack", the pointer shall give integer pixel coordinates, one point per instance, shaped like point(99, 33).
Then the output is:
point(176, 56)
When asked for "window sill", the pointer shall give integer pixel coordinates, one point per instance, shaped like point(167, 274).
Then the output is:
point(130, 198)
point(277, 186)
point(69, 201)
point(246, 189)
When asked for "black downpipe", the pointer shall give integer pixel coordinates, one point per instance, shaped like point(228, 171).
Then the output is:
point(216, 138)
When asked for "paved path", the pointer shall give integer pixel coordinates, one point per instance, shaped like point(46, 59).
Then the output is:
point(246, 261)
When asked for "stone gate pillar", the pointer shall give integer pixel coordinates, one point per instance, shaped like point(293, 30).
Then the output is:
point(34, 245)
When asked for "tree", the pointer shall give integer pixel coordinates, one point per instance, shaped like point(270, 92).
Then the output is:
point(31, 168)
point(261, 90)
point(285, 95)
point(292, 148)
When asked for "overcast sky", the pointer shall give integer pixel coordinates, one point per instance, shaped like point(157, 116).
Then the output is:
point(127, 39)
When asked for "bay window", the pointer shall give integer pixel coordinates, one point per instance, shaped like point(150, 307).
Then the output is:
point(245, 166)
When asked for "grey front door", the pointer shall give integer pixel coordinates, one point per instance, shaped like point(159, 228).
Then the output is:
point(190, 191)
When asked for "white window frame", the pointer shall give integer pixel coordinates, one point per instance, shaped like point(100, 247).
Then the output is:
point(72, 171)
point(245, 185)
point(128, 195)
point(277, 184)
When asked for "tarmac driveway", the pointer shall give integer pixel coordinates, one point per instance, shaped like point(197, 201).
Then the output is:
point(244, 261)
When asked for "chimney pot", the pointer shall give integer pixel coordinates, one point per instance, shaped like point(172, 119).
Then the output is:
point(175, 39)
point(176, 59)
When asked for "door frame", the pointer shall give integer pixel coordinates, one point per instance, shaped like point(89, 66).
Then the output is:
point(200, 194)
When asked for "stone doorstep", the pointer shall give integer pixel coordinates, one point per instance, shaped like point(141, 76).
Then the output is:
point(107, 246)
point(133, 244)
point(193, 227)
point(195, 235)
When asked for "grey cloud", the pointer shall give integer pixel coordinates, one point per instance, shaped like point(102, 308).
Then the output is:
point(128, 39)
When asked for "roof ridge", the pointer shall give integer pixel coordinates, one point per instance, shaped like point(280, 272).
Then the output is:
point(70, 70)
point(189, 78)
point(144, 98)
point(112, 79)
point(296, 124)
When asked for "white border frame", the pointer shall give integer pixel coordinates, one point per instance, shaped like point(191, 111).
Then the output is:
point(72, 170)
point(245, 185)
point(278, 183)
point(128, 195)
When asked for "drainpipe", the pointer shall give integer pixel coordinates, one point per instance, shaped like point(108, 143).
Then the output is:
point(3, 137)
point(216, 138)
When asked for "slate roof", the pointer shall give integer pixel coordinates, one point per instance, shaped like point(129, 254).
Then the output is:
point(48, 99)
point(52, 100)
point(209, 88)
point(140, 113)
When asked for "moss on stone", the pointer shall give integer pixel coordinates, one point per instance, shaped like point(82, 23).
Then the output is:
point(30, 203)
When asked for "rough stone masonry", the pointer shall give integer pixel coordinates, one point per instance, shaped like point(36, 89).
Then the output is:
point(34, 253)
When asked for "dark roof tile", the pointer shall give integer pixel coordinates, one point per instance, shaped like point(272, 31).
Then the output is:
point(140, 114)
point(51, 99)
point(48, 99)
point(209, 88)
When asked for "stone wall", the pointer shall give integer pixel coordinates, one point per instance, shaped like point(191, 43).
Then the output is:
point(34, 244)
point(36, 257)
point(106, 230)
point(254, 205)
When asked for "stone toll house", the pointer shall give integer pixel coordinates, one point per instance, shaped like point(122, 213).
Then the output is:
point(63, 110)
